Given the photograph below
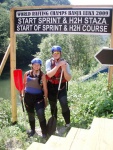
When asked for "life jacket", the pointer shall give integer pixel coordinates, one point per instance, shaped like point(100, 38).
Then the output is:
point(30, 72)
point(34, 83)
point(56, 78)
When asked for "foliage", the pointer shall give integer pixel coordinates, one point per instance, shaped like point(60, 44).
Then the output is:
point(87, 100)
point(5, 113)
point(15, 136)
point(24, 49)
point(51, 2)
point(4, 29)
point(78, 50)
point(8, 4)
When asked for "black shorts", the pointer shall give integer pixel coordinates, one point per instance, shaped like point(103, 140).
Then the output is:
point(33, 101)
point(54, 94)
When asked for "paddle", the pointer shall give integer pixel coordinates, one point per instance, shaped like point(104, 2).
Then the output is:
point(18, 80)
point(51, 125)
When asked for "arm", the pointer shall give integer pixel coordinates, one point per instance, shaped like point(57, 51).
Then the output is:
point(66, 71)
point(24, 83)
point(45, 89)
point(52, 72)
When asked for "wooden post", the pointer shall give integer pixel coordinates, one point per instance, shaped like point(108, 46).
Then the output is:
point(13, 66)
point(110, 73)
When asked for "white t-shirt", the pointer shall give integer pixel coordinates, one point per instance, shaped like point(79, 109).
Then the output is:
point(48, 66)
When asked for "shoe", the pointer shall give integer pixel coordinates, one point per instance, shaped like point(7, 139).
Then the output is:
point(56, 132)
point(31, 133)
point(44, 136)
point(67, 125)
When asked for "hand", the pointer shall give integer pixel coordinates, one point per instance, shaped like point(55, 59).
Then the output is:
point(46, 103)
point(64, 66)
point(62, 63)
point(21, 97)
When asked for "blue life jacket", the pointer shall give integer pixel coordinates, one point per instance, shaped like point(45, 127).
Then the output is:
point(34, 83)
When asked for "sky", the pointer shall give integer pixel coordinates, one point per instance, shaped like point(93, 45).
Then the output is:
point(91, 2)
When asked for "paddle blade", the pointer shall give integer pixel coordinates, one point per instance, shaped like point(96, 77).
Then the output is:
point(51, 125)
point(18, 79)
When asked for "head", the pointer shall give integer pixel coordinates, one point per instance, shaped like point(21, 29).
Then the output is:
point(36, 63)
point(56, 52)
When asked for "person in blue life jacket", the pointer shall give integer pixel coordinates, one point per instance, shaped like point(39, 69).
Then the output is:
point(53, 72)
point(35, 98)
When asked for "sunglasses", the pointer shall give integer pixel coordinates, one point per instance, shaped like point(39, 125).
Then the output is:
point(56, 52)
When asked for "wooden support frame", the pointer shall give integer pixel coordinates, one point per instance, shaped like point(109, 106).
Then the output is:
point(13, 46)
point(110, 73)
point(4, 59)
point(13, 66)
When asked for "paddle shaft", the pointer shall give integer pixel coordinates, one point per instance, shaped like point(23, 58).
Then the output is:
point(58, 89)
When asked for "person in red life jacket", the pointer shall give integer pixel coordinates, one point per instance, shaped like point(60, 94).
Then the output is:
point(53, 69)
point(35, 97)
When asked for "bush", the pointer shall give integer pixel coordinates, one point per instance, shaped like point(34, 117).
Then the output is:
point(5, 113)
point(89, 99)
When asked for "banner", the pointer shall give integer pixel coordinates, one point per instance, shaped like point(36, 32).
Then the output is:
point(66, 21)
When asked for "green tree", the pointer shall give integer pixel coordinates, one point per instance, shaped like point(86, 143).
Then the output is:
point(78, 50)
point(24, 49)
point(8, 4)
point(1, 1)
point(36, 39)
point(51, 2)
point(4, 30)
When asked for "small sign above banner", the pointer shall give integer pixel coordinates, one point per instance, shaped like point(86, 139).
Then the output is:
point(72, 20)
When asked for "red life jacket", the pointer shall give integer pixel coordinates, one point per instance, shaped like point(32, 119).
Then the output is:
point(56, 78)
